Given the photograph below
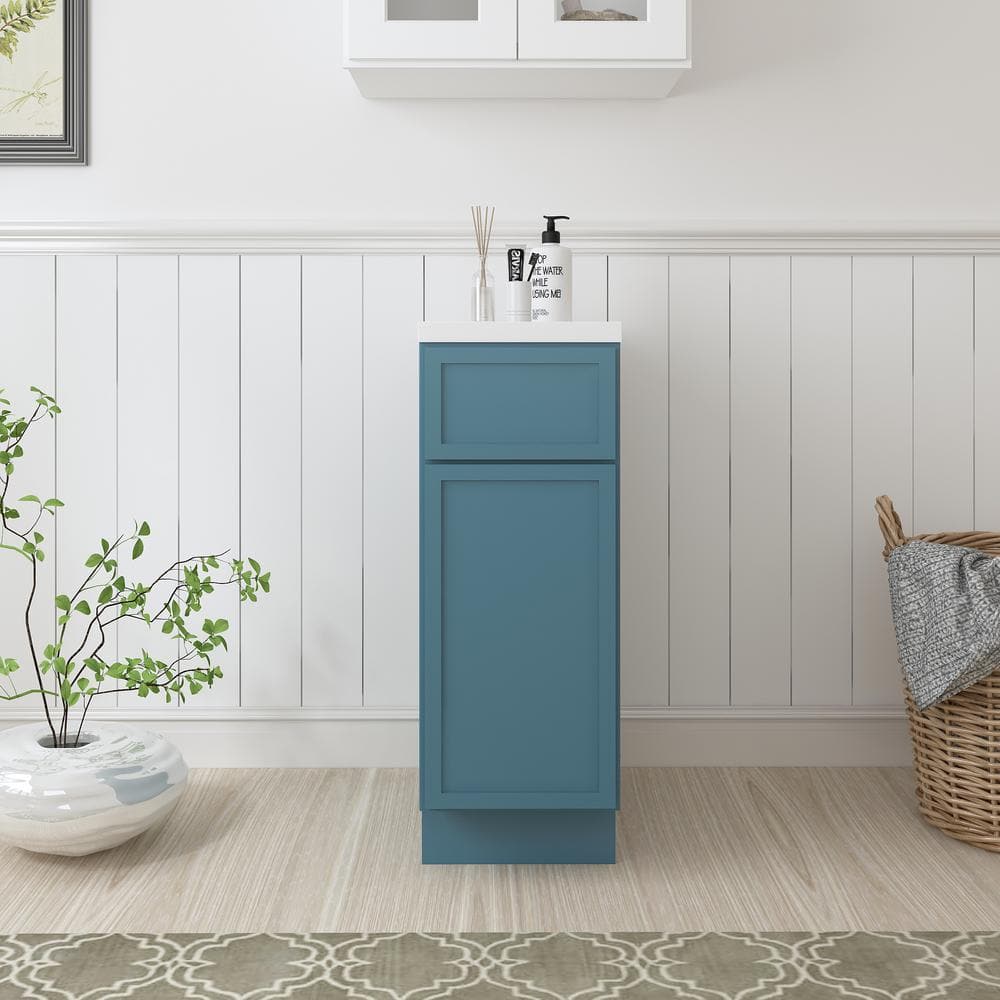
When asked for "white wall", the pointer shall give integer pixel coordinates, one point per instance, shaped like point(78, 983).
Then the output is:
point(767, 398)
point(795, 110)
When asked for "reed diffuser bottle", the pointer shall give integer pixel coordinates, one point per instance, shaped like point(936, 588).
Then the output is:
point(483, 289)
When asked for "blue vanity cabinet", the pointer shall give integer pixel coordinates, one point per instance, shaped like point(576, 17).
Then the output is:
point(519, 602)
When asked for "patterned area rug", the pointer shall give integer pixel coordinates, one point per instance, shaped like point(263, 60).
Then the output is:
point(699, 966)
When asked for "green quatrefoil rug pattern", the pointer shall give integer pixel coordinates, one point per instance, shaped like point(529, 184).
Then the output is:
point(634, 966)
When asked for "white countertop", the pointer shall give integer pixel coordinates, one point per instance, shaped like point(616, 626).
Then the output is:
point(521, 333)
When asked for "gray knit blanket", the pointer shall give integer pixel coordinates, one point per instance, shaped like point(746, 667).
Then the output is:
point(946, 609)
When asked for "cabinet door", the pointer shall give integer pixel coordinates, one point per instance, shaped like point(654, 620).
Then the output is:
point(519, 638)
point(431, 29)
point(660, 33)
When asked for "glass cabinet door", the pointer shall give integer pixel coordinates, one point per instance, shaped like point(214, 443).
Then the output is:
point(659, 30)
point(431, 29)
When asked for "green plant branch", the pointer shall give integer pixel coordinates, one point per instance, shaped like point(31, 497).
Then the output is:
point(102, 624)
point(83, 587)
point(31, 642)
point(19, 17)
point(85, 674)
point(17, 696)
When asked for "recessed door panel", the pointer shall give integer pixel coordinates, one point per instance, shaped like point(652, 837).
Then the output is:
point(519, 583)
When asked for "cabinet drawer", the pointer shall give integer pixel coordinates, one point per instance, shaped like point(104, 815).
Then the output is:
point(519, 636)
point(519, 402)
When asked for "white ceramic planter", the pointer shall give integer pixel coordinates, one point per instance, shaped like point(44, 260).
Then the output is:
point(78, 801)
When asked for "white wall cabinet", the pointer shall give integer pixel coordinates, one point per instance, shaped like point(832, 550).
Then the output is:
point(514, 49)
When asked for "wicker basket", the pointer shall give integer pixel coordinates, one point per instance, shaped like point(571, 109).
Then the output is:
point(956, 744)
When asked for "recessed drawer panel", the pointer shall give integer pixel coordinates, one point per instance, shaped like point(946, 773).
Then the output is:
point(520, 401)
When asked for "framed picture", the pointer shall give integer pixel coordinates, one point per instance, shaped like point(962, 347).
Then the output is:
point(43, 81)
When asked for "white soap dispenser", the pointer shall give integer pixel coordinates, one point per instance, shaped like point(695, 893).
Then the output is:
point(552, 278)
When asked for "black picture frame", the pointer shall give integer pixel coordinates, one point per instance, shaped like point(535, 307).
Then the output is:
point(71, 146)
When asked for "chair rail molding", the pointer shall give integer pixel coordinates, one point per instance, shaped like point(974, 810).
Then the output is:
point(444, 238)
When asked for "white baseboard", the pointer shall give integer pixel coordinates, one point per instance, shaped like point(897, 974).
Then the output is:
point(766, 738)
point(799, 737)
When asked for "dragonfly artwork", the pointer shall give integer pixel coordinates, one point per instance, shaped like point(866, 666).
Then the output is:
point(41, 80)
point(31, 60)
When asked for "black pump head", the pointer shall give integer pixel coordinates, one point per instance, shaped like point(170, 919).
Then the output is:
point(551, 234)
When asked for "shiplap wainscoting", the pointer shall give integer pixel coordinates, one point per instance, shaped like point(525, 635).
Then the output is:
point(267, 402)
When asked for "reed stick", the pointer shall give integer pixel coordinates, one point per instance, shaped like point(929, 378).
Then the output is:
point(482, 224)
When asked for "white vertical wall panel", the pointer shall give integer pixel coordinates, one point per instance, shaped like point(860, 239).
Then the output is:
point(27, 294)
point(147, 437)
point(209, 440)
point(987, 456)
point(393, 307)
point(943, 394)
point(332, 468)
point(150, 348)
point(638, 291)
point(699, 480)
point(590, 287)
point(883, 459)
point(271, 477)
point(821, 480)
point(86, 358)
point(761, 612)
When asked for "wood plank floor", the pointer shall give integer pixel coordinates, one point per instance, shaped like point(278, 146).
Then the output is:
point(699, 849)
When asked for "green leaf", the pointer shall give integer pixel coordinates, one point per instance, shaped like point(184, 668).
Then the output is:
point(62, 602)
point(143, 529)
point(137, 548)
point(83, 607)
point(30, 498)
point(94, 560)
point(106, 594)
point(53, 502)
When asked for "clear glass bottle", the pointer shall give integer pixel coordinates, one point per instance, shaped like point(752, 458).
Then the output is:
point(483, 298)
